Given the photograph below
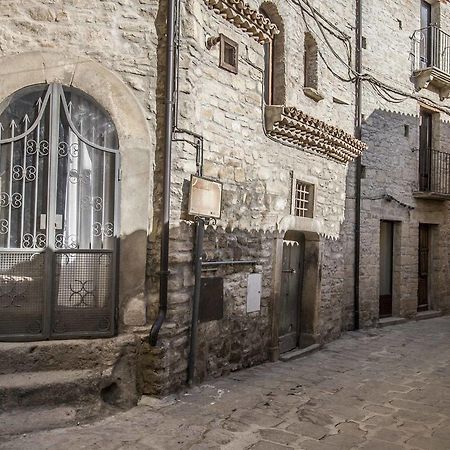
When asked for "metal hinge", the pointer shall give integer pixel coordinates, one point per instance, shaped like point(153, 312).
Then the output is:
point(119, 176)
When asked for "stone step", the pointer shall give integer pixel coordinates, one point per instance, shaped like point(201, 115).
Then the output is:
point(428, 315)
point(299, 353)
point(63, 354)
point(57, 387)
point(389, 321)
point(36, 418)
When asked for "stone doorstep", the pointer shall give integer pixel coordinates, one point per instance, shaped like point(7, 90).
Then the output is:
point(299, 353)
point(62, 354)
point(58, 387)
point(32, 419)
point(389, 321)
point(428, 315)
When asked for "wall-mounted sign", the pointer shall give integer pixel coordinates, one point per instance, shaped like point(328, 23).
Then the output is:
point(205, 197)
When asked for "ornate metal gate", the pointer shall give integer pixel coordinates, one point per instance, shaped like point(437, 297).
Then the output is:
point(59, 166)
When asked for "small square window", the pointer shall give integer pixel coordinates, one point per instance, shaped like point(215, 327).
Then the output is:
point(303, 199)
point(228, 54)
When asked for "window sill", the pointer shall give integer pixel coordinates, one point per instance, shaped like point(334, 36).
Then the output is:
point(313, 93)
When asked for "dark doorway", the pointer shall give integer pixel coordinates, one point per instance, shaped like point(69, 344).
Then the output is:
point(424, 258)
point(425, 147)
point(386, 267)
point(291, 285)
point(426, 30)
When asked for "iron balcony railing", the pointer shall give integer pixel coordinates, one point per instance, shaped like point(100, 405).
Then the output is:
point(431, 48)
point(434, 171)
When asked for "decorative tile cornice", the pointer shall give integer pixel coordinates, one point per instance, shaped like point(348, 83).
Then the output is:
point(295, 127)
point(242, 16)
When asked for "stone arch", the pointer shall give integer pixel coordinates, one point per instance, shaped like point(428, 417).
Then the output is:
point(40, 67)
point(278, 57)
point(310, 62)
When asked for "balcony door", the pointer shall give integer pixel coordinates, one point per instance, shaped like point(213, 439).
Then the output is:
point(425, 149)
point(426, 38)
point(58, 215)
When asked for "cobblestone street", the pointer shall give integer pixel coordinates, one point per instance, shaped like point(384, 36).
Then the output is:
point(378, 389)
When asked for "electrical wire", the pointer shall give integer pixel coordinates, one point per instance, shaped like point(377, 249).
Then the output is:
point(388, 93)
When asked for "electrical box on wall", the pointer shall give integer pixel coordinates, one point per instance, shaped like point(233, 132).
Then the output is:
point(254, 292)
point(211, 299)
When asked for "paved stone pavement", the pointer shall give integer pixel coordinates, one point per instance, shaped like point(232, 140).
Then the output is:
point(382, 389)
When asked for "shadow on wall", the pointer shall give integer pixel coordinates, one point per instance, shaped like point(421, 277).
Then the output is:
point(240, 339)
point(404, 166)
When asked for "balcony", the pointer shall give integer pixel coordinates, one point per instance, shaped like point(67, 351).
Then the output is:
point(431, 60)
point(434, 175)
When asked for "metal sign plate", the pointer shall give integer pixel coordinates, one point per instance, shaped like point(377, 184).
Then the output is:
point(205, 197)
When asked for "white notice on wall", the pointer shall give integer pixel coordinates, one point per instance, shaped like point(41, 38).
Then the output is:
point(254, 292)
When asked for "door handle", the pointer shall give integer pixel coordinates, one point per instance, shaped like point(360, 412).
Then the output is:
point(288, 270)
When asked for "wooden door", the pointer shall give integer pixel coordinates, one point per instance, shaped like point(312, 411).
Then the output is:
point(291, 276)
point(386, 267)
point(424, 255)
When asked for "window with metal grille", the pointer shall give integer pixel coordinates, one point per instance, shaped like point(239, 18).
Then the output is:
point(303, 199)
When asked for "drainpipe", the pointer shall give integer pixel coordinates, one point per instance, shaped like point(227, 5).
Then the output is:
point(165, 214)
point(358, 123)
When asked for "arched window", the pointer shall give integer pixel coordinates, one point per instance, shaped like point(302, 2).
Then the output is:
point(58, 191)
point(311, 55)
point(274, 57)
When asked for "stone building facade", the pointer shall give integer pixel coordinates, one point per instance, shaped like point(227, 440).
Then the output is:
point(264, 150)
point(268, 88)
point(258, 167)
point(404, 186)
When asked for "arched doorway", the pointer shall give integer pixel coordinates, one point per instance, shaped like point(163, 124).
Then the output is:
point(59, 166)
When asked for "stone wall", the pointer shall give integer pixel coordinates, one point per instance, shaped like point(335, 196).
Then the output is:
point(390, 171)
point(257, 174)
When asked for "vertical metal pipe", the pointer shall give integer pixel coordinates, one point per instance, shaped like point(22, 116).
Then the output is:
point(199, 233)
point(358, 133)
point(165, 213)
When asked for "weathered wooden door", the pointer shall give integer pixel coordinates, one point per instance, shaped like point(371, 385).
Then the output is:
point(424, 251)
point(291, 278)
point(386, 267)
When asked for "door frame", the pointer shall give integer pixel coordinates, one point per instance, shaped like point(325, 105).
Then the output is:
point(310, 295)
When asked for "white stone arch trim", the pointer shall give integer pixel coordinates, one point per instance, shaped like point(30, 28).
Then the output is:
point(25, 69)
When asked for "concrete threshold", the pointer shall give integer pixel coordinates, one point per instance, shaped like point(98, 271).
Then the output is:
point(388, 321)
point(428, 315)
point(299, 353)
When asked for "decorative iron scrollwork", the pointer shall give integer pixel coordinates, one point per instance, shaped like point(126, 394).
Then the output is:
point(4, 226)
point(82, 292)
point(64, 241)
point(28, 172)
point(30, 241)
point(65, 149)
point(105, 231)
point(95, 202)
point(76, 177)
point(15, 200)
